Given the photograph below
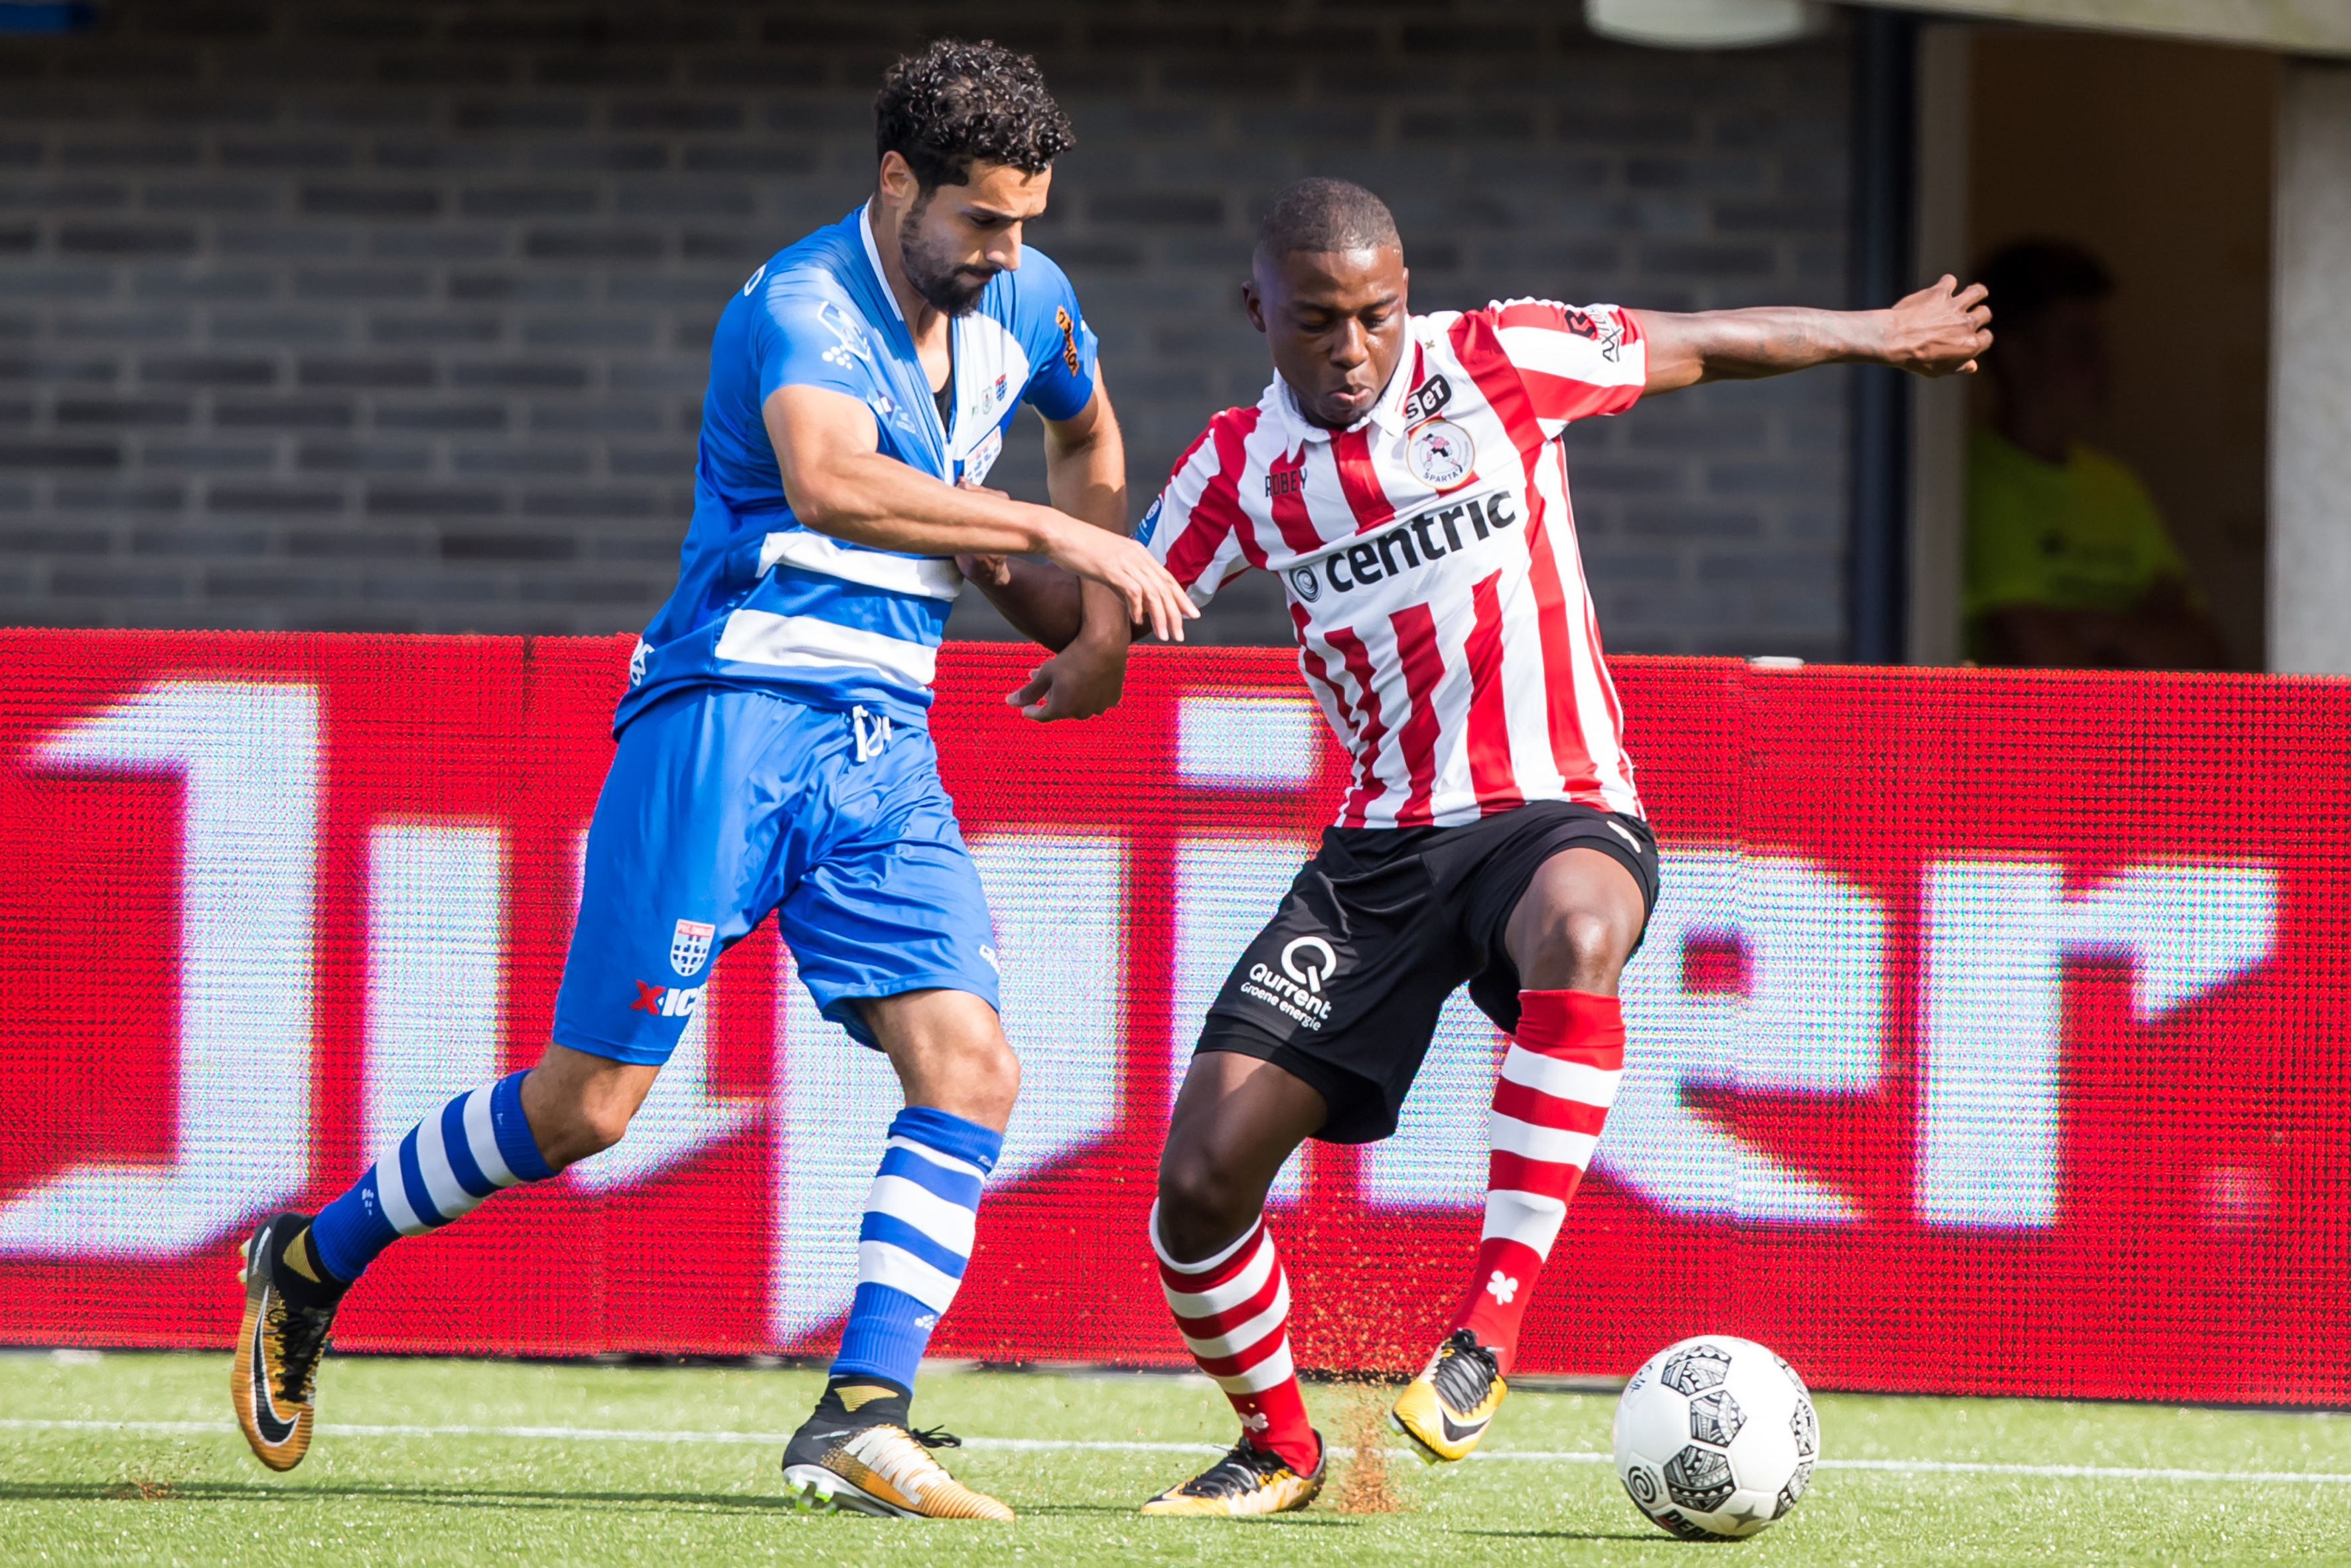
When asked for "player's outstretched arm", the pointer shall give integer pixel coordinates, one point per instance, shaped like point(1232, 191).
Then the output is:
point(1938, 331)
point(838, 482)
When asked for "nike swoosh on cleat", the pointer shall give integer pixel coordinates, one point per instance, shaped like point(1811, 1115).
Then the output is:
point(1455, 1434)
point(273, 1428)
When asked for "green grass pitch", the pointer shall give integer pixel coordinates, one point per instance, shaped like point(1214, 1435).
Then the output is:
point(564, 1464)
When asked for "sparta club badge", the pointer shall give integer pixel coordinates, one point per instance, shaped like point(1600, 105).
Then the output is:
point(1439, 453)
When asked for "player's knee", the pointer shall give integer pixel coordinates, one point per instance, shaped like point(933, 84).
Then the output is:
point(992, 1074)
point(1594, 938)
point(603, 1125)
point(976, 1078)
point(1201, 1205)
point(1581, 947)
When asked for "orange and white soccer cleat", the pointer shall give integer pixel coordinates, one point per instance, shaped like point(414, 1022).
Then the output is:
point(1249, 1480)
point(882, 1469)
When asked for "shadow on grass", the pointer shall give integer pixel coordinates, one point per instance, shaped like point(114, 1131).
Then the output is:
point(510, 1498)
point(1262, 1521)
point(1651, 1536)
point(445, 1497)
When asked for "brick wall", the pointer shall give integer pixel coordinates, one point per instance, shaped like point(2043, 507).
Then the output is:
point(362, 315)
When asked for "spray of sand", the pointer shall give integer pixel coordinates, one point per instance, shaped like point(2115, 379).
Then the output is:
point(1367, 1487)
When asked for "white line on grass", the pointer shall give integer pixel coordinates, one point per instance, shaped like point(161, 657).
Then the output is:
point(1066, 1445)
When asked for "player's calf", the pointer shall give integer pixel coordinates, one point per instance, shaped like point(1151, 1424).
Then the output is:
point(296, 1271)
point(1237, 1119)
point(1551, 1100)
point(1232, 1308)
point(860, 1452)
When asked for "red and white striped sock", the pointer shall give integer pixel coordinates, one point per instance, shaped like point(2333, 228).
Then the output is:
point(1557, 1083)
point(1233, 1310)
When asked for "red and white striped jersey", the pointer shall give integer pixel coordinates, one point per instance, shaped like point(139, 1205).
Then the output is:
point(1430, 560)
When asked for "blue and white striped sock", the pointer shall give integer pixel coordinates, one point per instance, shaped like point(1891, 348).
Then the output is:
point(444, 1167)
point(915, 1240)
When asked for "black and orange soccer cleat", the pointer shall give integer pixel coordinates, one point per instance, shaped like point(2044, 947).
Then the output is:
point(1249, 1480)
point(880, 1468)
point(274, 1375)
point(1445, 1410)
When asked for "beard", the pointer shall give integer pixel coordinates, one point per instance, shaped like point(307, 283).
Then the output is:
point(947, 287)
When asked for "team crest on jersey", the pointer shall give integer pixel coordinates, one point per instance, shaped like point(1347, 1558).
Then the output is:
point(1440, 455)
point(986, 399)
point(689, 945)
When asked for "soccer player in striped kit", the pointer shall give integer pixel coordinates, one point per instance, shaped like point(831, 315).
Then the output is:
point(773, 756)
point(1402, 476)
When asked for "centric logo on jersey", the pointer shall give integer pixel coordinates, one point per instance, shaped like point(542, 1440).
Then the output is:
point(1441, 453)
point(1307, 586)
point(689, 945)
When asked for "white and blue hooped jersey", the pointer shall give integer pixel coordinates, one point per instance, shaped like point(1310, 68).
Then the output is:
point(762, 601)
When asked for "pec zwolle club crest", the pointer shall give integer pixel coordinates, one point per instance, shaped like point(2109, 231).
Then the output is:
point(1439, 453)
point(689, 945)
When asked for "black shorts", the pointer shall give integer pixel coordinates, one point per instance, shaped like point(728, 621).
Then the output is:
point(1342, 987)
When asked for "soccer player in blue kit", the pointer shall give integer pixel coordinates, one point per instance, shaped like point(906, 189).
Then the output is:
point(772, 755)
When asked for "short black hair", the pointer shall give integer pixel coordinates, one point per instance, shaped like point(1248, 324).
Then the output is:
point(2030, 276)
point(1320, 215)
point(955, 104)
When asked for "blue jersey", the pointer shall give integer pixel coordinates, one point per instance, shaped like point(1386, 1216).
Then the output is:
point(764, 603)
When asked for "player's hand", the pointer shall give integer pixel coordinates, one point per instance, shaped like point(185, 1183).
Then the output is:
point(1151, 596)
point(1076, 682)
point(986, 571)
point(1940, 329)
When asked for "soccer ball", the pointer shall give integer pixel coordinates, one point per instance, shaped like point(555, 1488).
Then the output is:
point(1715, 1438)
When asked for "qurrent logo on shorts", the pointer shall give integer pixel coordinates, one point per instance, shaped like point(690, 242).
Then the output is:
point(1307, 960)
point(1295, 990)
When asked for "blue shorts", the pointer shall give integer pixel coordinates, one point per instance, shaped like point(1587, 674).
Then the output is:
point(724, 804)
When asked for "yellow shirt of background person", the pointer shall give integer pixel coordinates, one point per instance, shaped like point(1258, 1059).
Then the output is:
point(2081, 535)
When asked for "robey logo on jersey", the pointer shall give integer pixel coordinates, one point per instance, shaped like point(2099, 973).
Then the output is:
point(1415, 542)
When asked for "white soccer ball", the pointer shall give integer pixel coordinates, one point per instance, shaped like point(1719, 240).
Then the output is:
point(1715, 1438)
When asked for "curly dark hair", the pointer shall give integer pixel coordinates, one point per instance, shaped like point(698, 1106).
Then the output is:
point(957, 103)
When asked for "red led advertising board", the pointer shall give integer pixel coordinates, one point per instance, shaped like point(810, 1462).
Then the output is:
point(1988, 1036)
